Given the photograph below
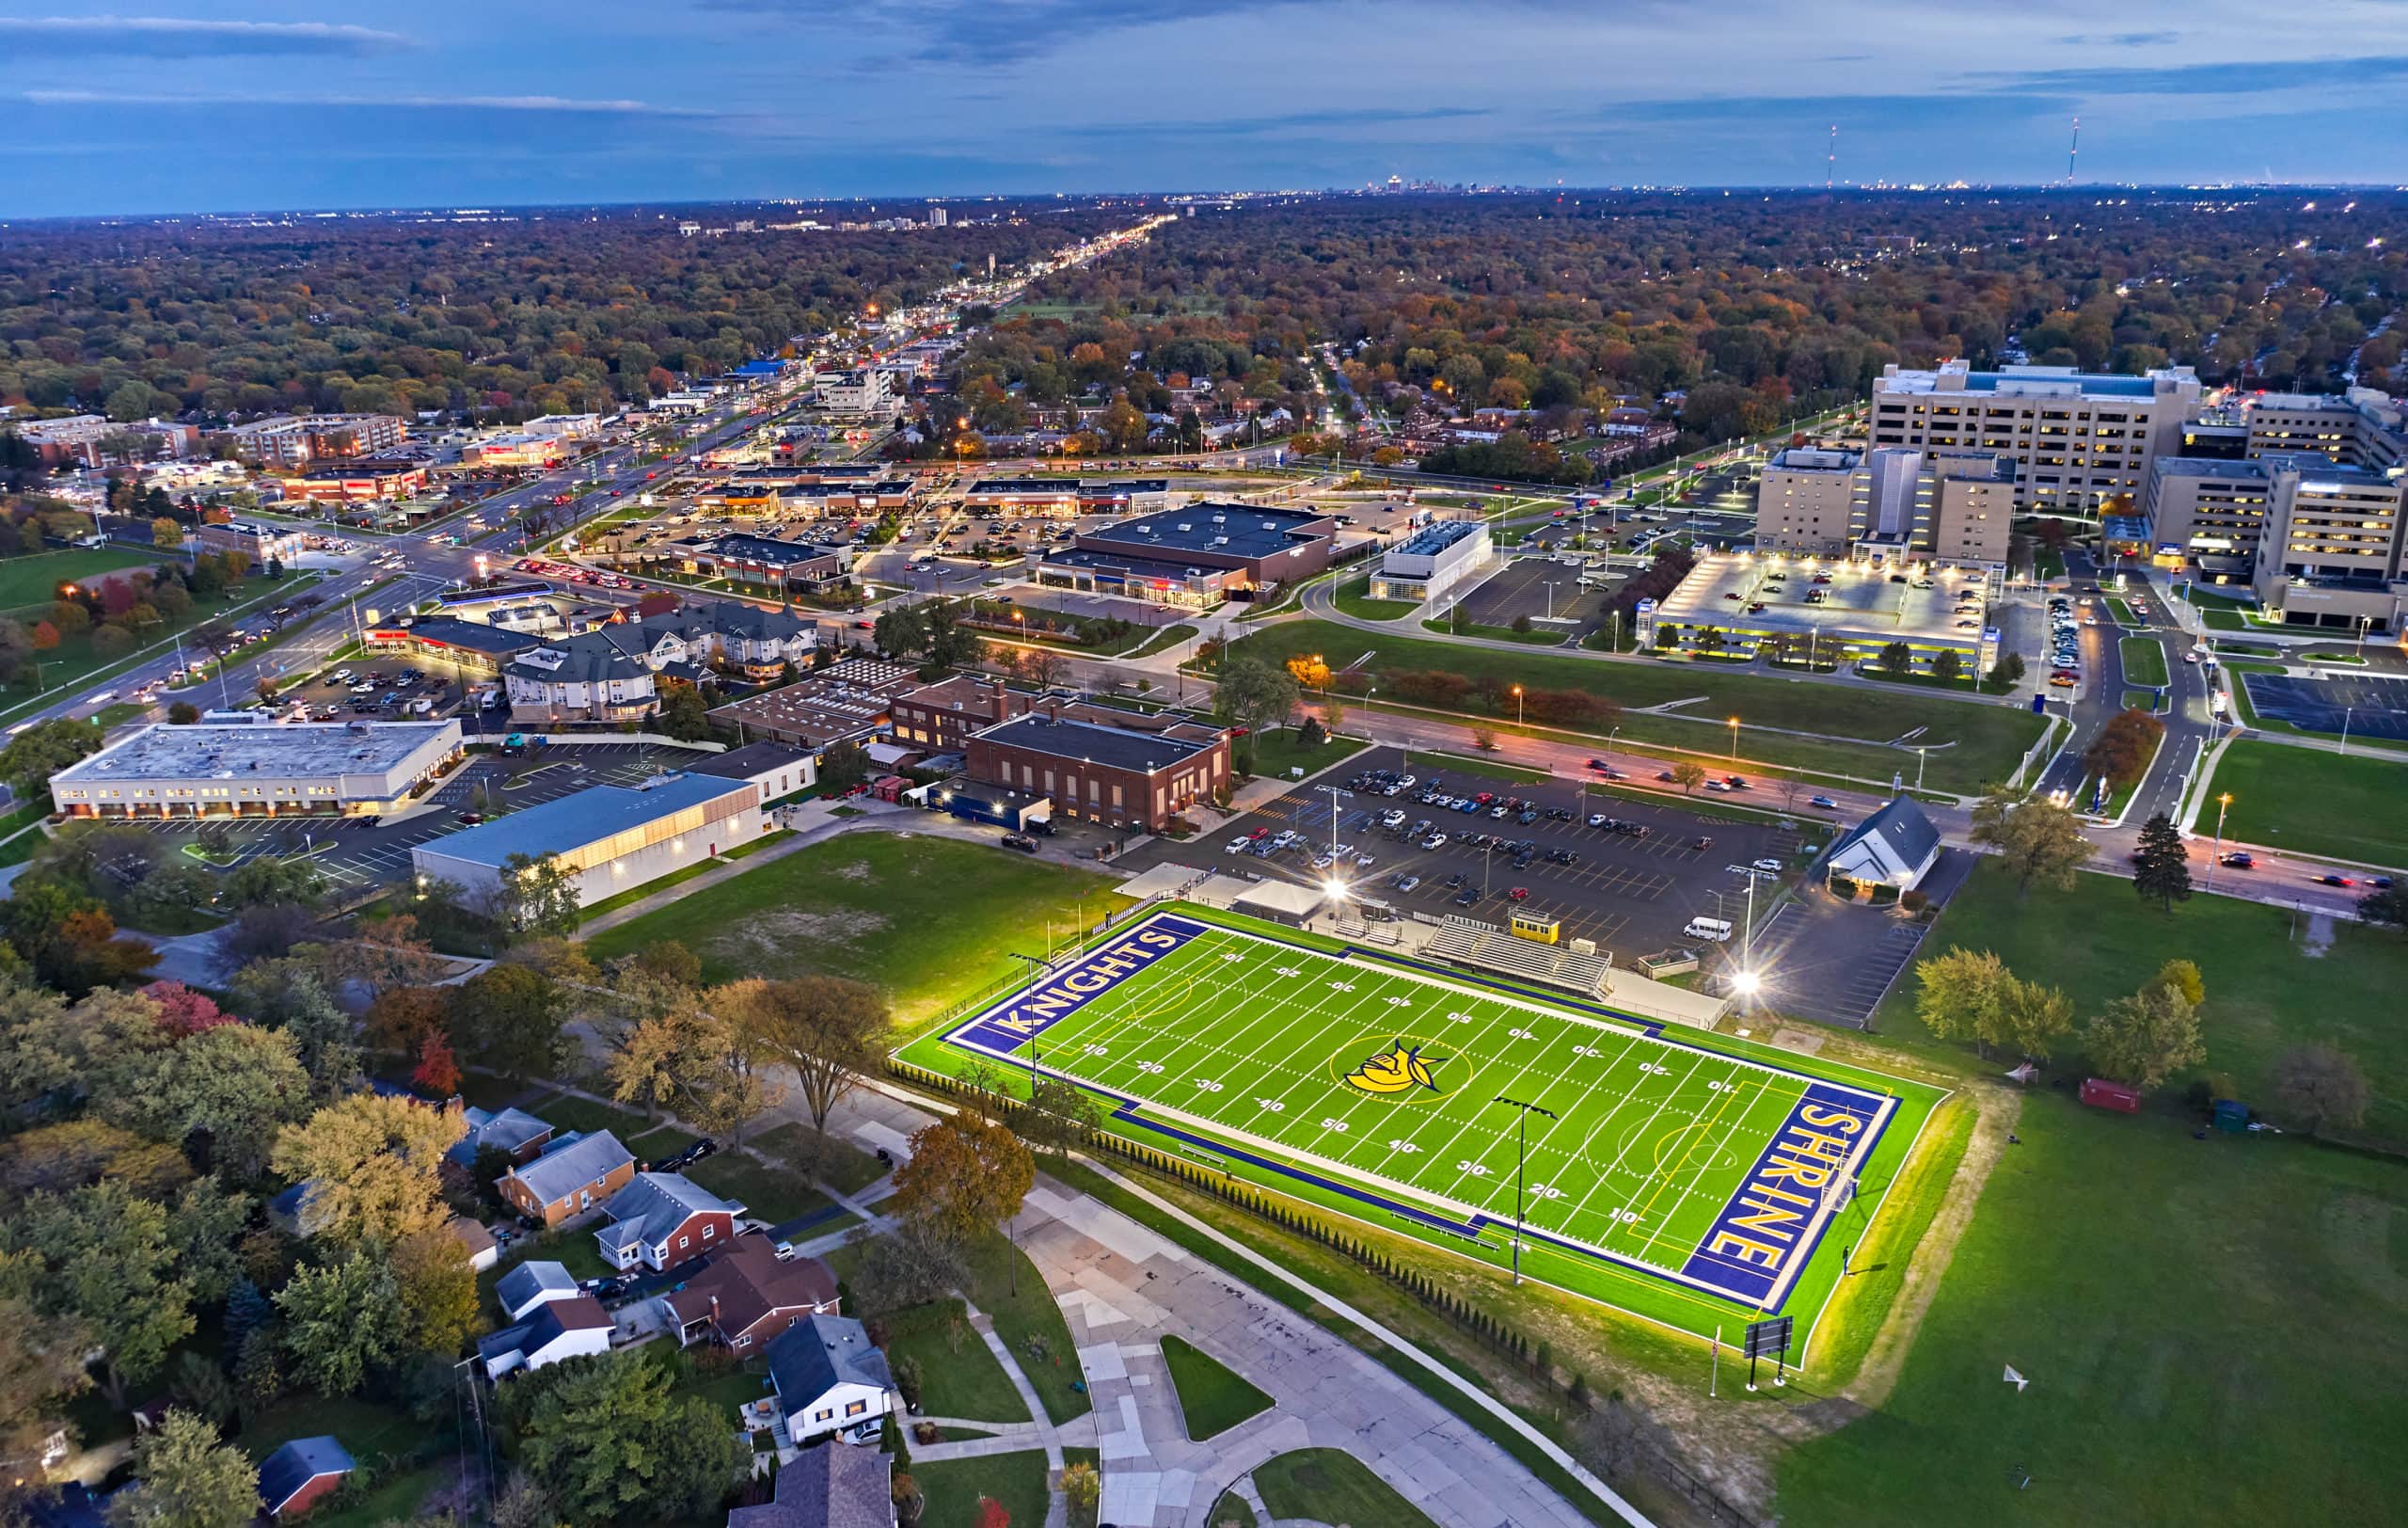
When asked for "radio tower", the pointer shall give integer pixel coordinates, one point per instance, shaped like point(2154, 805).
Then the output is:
point(2074, 149)
point(1831, 159)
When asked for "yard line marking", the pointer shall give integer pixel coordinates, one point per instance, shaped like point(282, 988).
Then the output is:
point(1707, 1122)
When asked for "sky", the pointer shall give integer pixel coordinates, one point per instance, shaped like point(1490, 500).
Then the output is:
point(124, 107)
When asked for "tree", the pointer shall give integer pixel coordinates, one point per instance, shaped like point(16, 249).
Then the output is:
point(2183, 977)
point(992, 1514)
point(1948, 665)
point(538, 895)
point(373, 1164)
point(913, 1263)
point(2144, 1038)
point(2386, 905)
point(437, 1289)
point(2007, 670)
point(182, 713)
point(830, 1031)
point(202, 1224)
point(1253, 693)
point(183, 1012)
point(660, 1059)
point(41, 1363)
point(1960, 994)
point(1897, 658)
point(2162, 872)
point(267, 881)
point(62, 1157)
point(684, 713)
point(845, 766)
point(437, 1071)
point(2028, 1018)
point(1689, 774)
point(32, 756)
point(166, 534)
point(401, 1019)
point(2038, 841)
point(2122, 750)
point(186, 1478)
point(509, 1017)
point(343, 1321)
point(236, 1083)
point(1061, 1113)
point(107, 1264)
point(1083, 1489)
point(612, 1444)
point(2321, 1085)
point(965, 1176)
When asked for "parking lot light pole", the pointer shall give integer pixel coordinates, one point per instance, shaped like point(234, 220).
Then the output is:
point(1521, 1159)
point(1735, 739)
point(2224, 805)
point(1517, 705)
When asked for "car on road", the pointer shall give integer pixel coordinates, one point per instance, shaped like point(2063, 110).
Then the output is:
point(2336, 881)
point(2238, 859)
point(1239, 846)
point(1717, 786)
point(1824, 802)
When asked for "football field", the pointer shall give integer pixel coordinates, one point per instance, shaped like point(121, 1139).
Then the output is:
point(1380, 1086)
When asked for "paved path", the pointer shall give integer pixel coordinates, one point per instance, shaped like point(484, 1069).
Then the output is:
point(1123, 1288)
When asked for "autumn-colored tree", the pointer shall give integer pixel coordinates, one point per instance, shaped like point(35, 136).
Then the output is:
point(372, 1164)
point(182, 1012)
point(830, 1030)
point(992, 1514)
point(44, 635)
point(402, 1018)
point(436, 1072)
point(966, 1175)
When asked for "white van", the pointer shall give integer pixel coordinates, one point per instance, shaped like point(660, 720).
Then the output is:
point(1716, 929)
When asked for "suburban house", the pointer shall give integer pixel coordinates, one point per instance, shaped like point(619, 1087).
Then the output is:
point(830, 1377)
point(569, 1328)
point(572, 1177)
point(827, 1488)
point(1896, 847)
point(748, 1295)
point(294, 1477)
point(530, 1284)
point(476, 1242)
point(663, 1218)
point(515, 1133)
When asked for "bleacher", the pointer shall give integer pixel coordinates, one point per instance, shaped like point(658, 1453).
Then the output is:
point(1469, 942)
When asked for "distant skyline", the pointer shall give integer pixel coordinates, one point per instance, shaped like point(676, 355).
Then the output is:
point(271, 104)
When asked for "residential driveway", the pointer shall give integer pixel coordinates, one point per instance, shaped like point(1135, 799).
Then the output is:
point(1123, 1289)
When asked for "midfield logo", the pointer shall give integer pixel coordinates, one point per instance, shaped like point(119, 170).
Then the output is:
point(1399, 1069)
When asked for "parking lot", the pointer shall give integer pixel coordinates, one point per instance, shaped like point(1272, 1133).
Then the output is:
point(354, 854)
point(1543, 588)
point(1632, 893)
point(2367, 705)
point(1836, 599)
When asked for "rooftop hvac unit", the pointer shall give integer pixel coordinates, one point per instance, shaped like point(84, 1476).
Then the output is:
point(1584, 947)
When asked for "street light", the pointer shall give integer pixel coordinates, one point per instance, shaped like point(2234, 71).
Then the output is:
point(2224, 805)
point(1735, 739)
point(1517, 705)
point(1521, 1159)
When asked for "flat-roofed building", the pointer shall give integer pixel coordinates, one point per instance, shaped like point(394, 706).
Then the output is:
point(260, 544)
point(2079, 438)
point(343, 482)
point(608, 838)
point(2361, 427)
point(1267, 546)
point(446, 639)
point(2208, 506)
point(862, 394)
point(2331, 553)
point(1156, 581)
point(765, 561)
point(776, 769)
point(295, 441)
point(343, 768)
point(1111, 774)
point(845, 702)
point(1434, 562)
point(1888, 503)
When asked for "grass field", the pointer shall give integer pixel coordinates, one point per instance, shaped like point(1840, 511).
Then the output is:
point(2265, 993)
point(952, 1489)
point(1972, 742)
point(926, 919)
point(2218, 1321)
point(34, 581)
point(1354, 598)
point(2145, 661)
point(1213, 1397)
point(1276, 751)
point(1684, 1183)
point(1326, 1485)
point(2350, 806)
point(959, 1376)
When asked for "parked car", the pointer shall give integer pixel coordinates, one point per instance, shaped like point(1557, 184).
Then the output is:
point(1025, 845)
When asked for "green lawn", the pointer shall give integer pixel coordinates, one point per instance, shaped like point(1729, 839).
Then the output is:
point(566, 1111)
point(2145, 661)
point(1538, 636)
point(26, 582)
point(1029, 1323)
point(846, 1167)
point(636, 894)
point(1327, 1486)
point(1276, 751)
point(2098, 942)
point(953, 1487)
point(2122, 612)
point(2140, 700)
point(1213, 1397)
point(776, 1195)
point(959, 1376)
point(2350, 806)
point(1972, 742)
point(929, 920)
point(1230, 1511)
point(2215, 1324)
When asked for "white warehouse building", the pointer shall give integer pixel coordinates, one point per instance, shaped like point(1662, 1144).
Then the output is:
point(255, 769)
point(610, 837)
point(1433, 561)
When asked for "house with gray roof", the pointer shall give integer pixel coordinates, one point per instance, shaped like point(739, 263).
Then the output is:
point(296, 1476)
point(1896, 846)
point(532, 1283)
point(831, 1487)
point(515, 1133)
point(571, 1178)
point(569, 1328)
point(664, 1218)
point(830, 1377)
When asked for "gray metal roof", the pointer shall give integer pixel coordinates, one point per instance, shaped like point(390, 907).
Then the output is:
point(562, 1171)
point(252, 751)
point(584, 817)
point(1092, 741)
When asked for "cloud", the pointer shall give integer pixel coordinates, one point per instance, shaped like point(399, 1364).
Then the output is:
point(2118, 40)
point(992, 31)
point(1247, 126)
point(175, 37)
point(2248, 77)
point(558, 105)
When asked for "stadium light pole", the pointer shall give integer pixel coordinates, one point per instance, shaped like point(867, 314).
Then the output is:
point(1521, 1159)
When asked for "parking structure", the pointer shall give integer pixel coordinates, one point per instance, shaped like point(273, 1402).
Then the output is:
point(1631, 888)
point(1519, 588)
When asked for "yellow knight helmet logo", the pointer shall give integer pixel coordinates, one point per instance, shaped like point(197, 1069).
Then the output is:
point(1399, 1069)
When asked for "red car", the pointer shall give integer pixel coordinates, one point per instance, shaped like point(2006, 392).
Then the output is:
point(1519, 894)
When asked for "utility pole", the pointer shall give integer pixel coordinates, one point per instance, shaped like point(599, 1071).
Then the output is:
point(1521, 1159)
